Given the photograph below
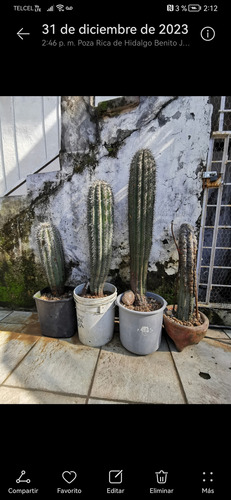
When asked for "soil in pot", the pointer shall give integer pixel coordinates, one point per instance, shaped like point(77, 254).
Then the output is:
point(194, 322)
point(86, 293)
point(136, 303)
point(48, 295)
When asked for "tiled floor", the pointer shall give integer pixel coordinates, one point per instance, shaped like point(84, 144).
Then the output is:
point(41, 370)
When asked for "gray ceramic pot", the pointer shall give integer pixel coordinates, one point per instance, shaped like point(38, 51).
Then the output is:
point(57, 317)
point(140, 332)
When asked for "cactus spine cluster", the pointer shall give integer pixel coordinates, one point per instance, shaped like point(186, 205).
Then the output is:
point(141, 200)
point(100, 233)
point(52, 256)
point(187, 284)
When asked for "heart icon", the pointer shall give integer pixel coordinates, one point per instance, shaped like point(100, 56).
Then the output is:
point(69, 476)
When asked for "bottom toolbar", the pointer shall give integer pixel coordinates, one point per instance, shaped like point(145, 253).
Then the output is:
point(125, 481)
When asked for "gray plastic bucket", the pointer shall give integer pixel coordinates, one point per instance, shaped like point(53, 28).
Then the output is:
point(57, 318)
point(140, 332)
point(95, 317)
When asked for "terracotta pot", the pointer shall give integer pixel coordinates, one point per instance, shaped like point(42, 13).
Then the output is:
point(182, 335)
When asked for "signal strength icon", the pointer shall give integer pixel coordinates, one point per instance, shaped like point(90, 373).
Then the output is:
point(51, 8)
point(60, 7)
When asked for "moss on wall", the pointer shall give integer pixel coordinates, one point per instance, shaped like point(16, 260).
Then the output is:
point(163, 284)
point(114, 107)
point(19, 280)
point(20, 276)
point(81, 161)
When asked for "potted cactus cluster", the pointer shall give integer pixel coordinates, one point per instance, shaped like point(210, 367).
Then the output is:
point(91, 305)
point(95, 301)
point(141, 312)
point(55, 303)
point(183, 322)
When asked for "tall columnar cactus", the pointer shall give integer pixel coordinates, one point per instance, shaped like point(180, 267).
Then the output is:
point(141, 200)
point(187, 284)
point(52, 256)
point(100, 232)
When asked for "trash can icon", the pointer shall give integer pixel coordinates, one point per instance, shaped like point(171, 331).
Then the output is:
point(161, 477)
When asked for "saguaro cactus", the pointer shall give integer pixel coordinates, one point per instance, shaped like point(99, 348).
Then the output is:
point(141, 199)
point(52, 256)
point(187, 284)
point(100, 232)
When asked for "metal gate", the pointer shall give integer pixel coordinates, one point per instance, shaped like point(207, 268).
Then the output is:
point(214, 255)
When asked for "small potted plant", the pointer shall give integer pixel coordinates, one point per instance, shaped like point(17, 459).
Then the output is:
point(184, 323)
point(95, 301)
point(55, 303)
point(140, 312)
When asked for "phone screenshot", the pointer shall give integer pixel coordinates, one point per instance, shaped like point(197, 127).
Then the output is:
point(115, 245)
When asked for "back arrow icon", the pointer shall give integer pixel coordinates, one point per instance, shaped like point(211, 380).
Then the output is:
point(20, 34)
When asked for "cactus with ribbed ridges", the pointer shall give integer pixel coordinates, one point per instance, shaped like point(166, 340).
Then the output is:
point(187, 284)
point(52, 256)
point(100, 232)
point(141, 200)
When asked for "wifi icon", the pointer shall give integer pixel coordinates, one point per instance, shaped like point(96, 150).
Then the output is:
point(60, 7)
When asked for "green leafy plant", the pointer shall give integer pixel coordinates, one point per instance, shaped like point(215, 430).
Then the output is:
point(100, 232)
point(52, 256)
point(141, 200)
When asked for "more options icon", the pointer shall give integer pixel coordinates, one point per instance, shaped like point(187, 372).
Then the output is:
point(207, 476)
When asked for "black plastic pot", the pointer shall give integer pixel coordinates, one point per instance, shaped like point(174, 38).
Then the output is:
point(57, 317)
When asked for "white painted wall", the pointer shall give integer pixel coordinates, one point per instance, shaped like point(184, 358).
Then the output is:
point(177, 131)
point(29, 138)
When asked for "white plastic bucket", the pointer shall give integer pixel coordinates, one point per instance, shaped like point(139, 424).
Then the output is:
point(95, 317)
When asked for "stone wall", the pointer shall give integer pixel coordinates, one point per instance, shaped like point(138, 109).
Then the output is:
point(99, 143)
